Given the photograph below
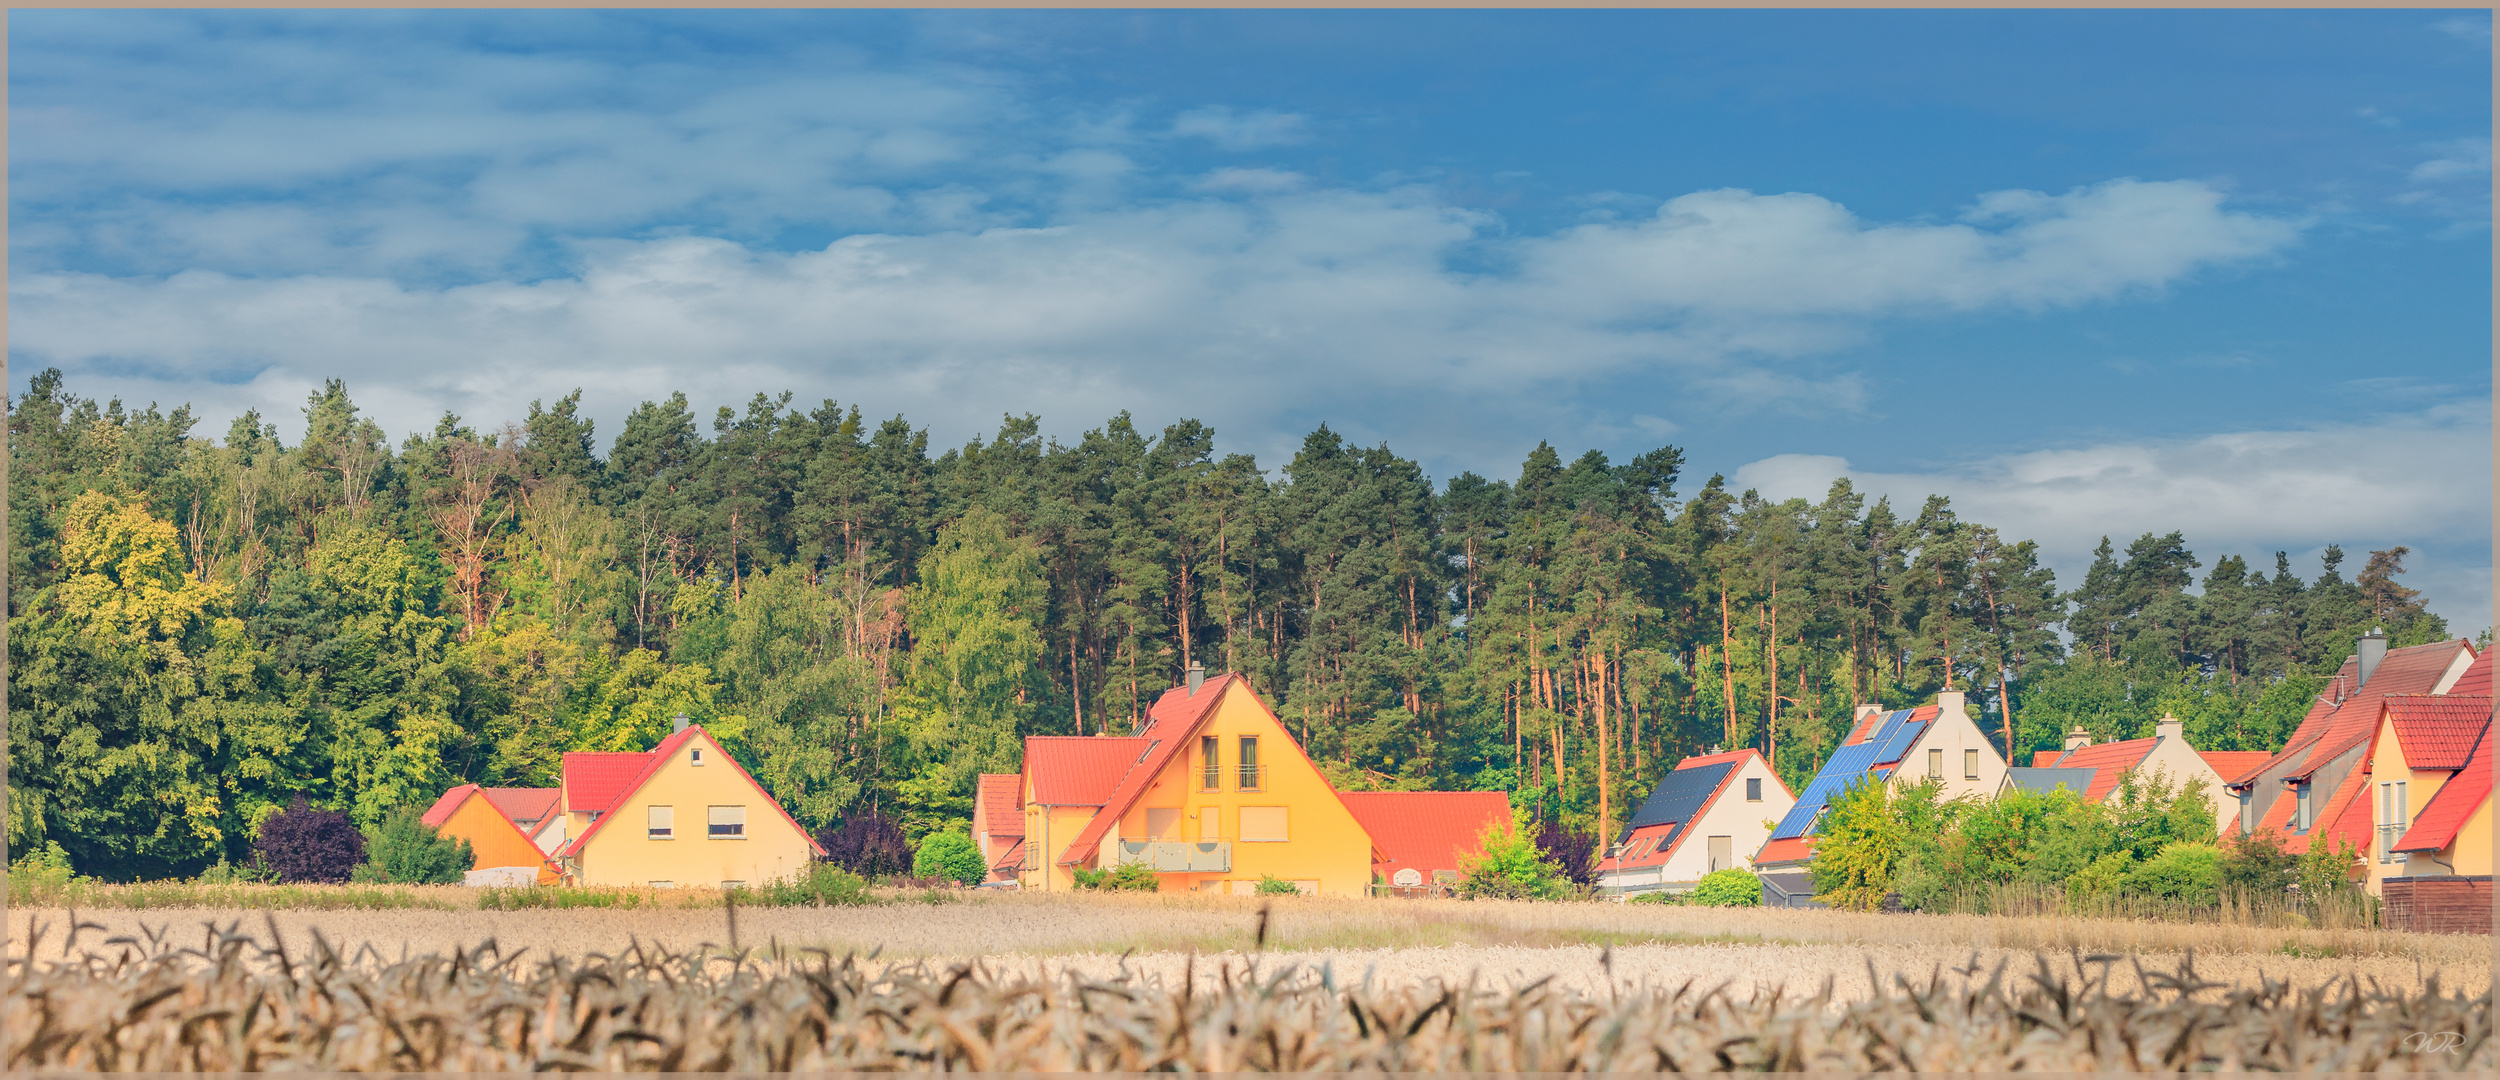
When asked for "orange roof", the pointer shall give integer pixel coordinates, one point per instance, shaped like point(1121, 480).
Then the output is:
point(2436, 826)
point(442, 809)
point(2044, 759)
point(2477, 677)
point(524, 805)
point(1078, 770)
point(1865, 727)
point(1011, 860)
point(2332, 727)
point(2111, 762)
point(652, 761)
point(1002, 804)
point(1794, 849)
point(2438, 731)
point(593, 780)
point(2233, 764)
point(1425, 830)
point(1174, 717)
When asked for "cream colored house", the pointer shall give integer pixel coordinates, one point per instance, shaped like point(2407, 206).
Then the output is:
point(1938, 742)
point(685, 814)
point(2166, 759)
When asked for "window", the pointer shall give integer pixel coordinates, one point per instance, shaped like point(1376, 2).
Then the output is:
point(1253, 778)
point(662, 884)
point(727, 822)
point(2248, 811)
point(1970, 764)
point(733, 884)
point(1753, 789)
point(1935, 763)
point(1210, 775)
point(2300, 807)
point(663, 822)
point(2391, 819)
point(698, 756)
point(1263, 824)
point(1722, 853)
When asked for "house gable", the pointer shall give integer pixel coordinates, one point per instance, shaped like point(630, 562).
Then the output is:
point(769, 845)
point(467, 813)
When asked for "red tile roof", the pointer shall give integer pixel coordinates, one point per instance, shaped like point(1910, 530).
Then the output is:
point(2438, 731)
point(1079, 770)
point(2233, 764)
point(2111, 762)
point(1643, 847)
point(1002, 804)
point(1865, 727)
point(2477, 677)
point(652, 761)
point(2437, 825)
point(1011, 860)
point(2044, 759)
point(594, 779)
point(1793, 849)
point(1425, 830)
point(2334, 727)
point(524, 805)
point(442, 809)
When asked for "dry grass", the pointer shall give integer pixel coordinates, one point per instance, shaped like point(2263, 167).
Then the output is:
point(237, 1000)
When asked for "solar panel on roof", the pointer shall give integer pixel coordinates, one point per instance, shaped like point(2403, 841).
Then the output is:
point(1680, 795)
point(1891, 749)
point(1846, 765)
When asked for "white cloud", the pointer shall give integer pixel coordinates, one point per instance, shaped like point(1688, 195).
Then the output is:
point(1282, 300)
point(1256, 129)
point(2467, 29)
point(2421, 480)
point(2456, 157)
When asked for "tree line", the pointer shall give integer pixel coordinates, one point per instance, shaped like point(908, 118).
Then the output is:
point(203, 629)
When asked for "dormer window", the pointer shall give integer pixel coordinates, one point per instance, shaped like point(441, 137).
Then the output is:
point(2300, 807)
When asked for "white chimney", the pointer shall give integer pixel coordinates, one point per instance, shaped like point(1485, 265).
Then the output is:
point(2169, 727)
point(2373, 650)
point(2078, 738)
point(1864, 711)
point(1949, 703)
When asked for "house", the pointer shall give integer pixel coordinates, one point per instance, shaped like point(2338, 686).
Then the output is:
point(1709, 813)
point(2315, 786)
point(2095, 771)
point(1215, 795)
point(2423, 740)
point(689, 816)
point(498, 823)
point(1937, 742)
point(2446, 887)
point(998, 824)
point(1423, 839)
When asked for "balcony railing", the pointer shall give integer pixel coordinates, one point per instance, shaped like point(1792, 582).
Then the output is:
point(1178, 856)
point(2388, 835)
point(1253, 777)
point(1211, 777)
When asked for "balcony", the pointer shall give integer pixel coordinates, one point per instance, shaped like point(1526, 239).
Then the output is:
point(1253, 777)
point(2388, 835)
point(1178, 856)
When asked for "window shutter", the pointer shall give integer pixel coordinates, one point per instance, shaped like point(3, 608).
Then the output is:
point(1263, 824)
point(727, 821)
point(663, 821)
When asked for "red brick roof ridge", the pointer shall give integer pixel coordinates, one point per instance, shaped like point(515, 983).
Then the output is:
point(659, 756)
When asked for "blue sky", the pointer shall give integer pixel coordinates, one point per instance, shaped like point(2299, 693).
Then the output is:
point(2086, 272)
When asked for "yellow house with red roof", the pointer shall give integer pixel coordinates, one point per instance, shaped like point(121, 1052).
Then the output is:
point(681, 814)
point(1213, 794)
point(497, 823)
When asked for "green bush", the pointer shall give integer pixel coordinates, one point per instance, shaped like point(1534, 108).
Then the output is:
point(1271, 885)
point(404, 850)
point(515, 898)
point(1660, 897)
point(1127, 877)
point(2183, 871)
point(2102, 879)
point(824, 885)
point(1728, 888)
point(40, 875)
point(950, 855)
point(1509, 866)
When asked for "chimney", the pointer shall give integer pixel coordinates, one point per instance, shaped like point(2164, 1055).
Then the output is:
point(2169, 727)
point(1949, 703)
point(2078, 738)
point(679, 724)
point(1864, 711)
point(1197, 677)
point(2373, 650)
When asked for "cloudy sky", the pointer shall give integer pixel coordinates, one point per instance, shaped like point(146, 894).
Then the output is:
point(2085, 272)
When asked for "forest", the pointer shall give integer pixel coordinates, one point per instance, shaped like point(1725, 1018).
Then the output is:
point(203, 629)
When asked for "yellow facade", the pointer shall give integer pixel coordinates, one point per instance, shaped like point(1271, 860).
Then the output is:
point(493, 838)
point(2387, 765)
point(1288, 823)
point(2470, 854)
point(1048, 830)
point(623, 851)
